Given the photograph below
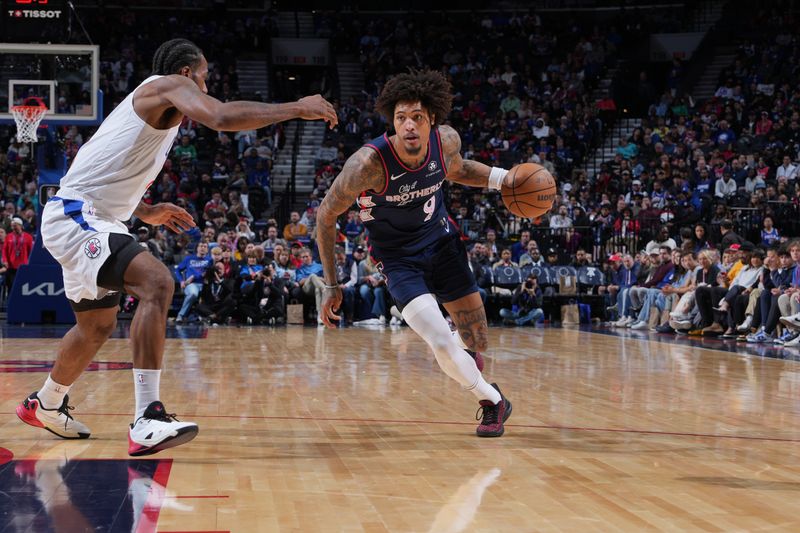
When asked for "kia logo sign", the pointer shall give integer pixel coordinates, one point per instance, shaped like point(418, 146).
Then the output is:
point(42, 289)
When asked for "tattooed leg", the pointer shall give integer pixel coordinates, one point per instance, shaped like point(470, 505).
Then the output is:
point(469, 316)
point(425, 318)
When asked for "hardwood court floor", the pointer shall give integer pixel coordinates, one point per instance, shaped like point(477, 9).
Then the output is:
point(358, 430)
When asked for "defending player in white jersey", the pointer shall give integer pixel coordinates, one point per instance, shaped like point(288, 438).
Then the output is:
point(82, 227)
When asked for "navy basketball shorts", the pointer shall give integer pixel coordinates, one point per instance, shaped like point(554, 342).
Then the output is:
point(441, 269)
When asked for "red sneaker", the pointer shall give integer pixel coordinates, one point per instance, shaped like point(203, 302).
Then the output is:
point(494, 415)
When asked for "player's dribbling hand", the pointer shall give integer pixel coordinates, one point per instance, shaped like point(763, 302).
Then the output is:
point(316, 107)
point(170, 215)
point(331, 303)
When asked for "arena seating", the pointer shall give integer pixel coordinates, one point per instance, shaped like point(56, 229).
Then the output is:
point(510, 106)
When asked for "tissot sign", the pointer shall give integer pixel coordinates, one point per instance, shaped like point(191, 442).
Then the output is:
point(34, 13)
point(30, 19)
point(34, 9)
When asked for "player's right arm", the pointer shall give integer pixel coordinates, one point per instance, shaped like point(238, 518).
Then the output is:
point(183, 94)
point(362, 171)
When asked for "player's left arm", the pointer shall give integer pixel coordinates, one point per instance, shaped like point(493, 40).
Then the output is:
point(466, 171)
point(170, 215)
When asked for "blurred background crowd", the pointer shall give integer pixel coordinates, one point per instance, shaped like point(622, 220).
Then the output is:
point(652, 176)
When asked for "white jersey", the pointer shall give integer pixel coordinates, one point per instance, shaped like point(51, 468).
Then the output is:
point(120, 161)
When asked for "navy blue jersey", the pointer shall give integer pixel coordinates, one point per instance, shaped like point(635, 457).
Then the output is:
point(409, 214)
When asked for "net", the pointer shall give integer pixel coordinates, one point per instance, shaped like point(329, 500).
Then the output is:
point(28, 117)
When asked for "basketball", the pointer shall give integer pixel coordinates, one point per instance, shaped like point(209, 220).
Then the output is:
point(529, 190)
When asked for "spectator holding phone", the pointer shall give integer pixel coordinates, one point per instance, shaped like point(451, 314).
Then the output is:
point(249, 273)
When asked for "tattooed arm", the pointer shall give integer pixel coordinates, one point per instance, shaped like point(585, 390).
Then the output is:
point(361, 172)
point(465, 172)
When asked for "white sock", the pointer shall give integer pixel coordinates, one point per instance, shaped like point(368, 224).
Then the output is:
point(51, 395)
point(145, 387)
point(424, 317)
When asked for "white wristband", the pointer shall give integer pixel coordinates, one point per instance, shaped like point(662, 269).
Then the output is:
point(496, 178)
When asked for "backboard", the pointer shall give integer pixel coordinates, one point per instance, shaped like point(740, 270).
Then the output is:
point(64, 76)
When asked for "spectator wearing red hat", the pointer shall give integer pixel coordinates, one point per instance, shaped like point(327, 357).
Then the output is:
point(16, 250)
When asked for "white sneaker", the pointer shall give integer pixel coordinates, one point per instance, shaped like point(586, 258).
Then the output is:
point(791, 321)
point(632, 322)
point(680, 325)
point(395, 321)
point(56, 421)
point(370, 322)
point(639, 325)
point(744, 327)
point(617, 323)
point(792, 343)
point(156, 430)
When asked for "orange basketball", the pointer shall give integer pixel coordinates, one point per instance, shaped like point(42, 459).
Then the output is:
point(529, 190)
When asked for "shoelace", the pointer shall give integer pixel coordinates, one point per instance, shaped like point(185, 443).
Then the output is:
point(64, 410)
point(162, 417)
point(488, 413)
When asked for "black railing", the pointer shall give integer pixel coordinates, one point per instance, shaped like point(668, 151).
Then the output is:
point(608, 141)
point(298, 135)
point(721, 34)
point(289, 196)
point(600, 242)
point(296, 24)
point(698, 14)
point(748, 221)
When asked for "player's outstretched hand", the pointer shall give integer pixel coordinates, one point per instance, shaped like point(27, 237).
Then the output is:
point(316, 107)
point(175, 218)
point(331, 303)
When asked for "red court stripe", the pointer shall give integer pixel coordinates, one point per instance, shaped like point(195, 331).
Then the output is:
point(149, 517)
point(452, 423)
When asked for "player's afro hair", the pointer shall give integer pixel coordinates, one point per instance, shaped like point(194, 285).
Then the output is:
point(429, 87)
point(175, 54)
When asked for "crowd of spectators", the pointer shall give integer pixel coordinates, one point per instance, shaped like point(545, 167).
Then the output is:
point(712, 188)
point(203, 166)
point(522, 92)
point(693, 175)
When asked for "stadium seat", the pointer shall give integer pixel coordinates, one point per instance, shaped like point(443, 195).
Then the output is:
point(507, 277)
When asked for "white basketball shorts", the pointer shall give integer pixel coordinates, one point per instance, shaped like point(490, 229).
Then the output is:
point(77, 237)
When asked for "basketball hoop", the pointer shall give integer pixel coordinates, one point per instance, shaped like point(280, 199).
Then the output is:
point(28, 117)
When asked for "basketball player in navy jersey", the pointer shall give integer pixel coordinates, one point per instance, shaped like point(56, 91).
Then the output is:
point(82, 228)
point(397, 183)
